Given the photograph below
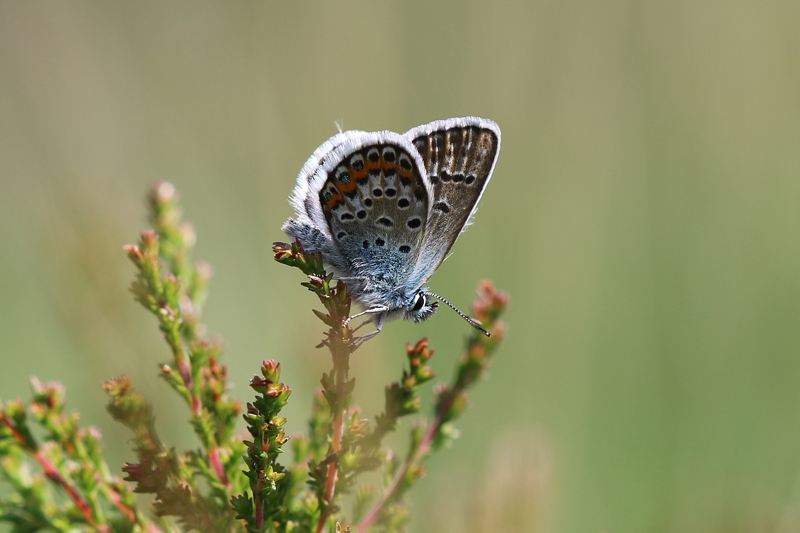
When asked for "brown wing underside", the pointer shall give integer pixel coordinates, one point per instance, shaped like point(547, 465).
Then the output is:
point(458, 162)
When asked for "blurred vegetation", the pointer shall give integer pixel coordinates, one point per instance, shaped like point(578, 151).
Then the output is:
point(647, 185)
point(62, 482)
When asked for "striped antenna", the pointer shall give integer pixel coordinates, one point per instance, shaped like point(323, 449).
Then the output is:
point(474, 323)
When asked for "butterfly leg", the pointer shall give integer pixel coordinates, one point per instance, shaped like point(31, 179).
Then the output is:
point(378, 320)
point(364, 323)
point(373, 311)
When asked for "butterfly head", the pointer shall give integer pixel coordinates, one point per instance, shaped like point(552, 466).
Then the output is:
point(420, 307)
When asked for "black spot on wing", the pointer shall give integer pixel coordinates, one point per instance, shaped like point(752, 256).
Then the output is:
point(357, 162)
point(442, 207)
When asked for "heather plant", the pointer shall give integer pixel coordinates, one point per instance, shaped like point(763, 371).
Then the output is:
point(232, 481)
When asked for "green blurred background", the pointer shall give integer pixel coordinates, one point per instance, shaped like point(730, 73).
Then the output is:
point(643, 215)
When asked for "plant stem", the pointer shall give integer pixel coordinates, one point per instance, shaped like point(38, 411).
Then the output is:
point(259, 506)
point(213, 456)
point(414, 458)
point(342, 363)
point(52, 472)
point(184, 368)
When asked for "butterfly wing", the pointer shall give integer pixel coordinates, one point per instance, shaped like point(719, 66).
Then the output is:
point(375, 204)
point(309, 225)
point(459, 155)
point(361, 199)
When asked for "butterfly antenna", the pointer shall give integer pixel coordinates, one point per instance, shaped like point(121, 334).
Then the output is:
point(474, 323)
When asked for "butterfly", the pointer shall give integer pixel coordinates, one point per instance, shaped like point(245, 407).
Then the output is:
point(385, 208)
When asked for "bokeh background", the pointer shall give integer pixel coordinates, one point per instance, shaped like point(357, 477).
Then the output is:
point(643, 215)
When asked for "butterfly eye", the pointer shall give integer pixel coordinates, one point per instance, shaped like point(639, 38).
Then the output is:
point(419, 302)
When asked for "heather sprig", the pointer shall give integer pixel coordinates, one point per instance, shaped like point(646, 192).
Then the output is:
point(73, 488)
point(266, 496)
point(228, 482)
point(337, 388)
point(174, 289)
point(355, 444)
point(428, 436)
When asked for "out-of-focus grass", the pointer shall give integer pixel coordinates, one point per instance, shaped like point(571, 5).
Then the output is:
point(644, 217)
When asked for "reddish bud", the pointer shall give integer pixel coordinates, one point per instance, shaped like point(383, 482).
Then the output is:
point(134, 253)
point(148, 239)
point(271, 370)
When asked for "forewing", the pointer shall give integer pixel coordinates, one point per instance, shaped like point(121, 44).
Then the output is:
point(459, 155)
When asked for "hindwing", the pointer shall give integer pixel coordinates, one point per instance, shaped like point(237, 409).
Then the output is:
point(375, 202)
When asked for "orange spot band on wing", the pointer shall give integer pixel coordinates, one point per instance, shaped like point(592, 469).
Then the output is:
point(409, 174)
point(358, 174)
point(346, 187)
point(335, 199)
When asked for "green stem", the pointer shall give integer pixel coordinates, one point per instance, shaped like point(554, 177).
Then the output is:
point(414, 458)
point(342, 364)
point(54, 475)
